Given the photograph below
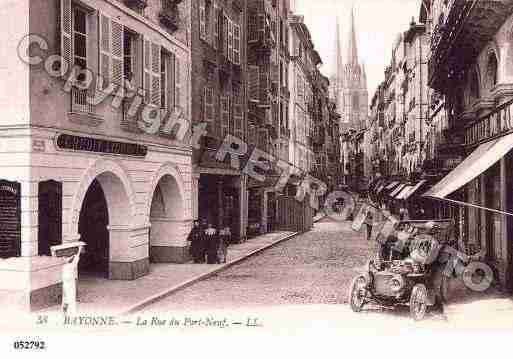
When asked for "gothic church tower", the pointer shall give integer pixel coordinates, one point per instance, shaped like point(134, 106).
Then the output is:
point(349, 83)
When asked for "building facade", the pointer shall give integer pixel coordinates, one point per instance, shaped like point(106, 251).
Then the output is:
point(219, 85)
point(476, 96)
point(89, 150)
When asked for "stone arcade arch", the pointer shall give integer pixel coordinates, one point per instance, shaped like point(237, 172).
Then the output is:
point(167, 215)
point(106, 181)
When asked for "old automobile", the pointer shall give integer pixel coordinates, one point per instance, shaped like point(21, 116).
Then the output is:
point(405, 270)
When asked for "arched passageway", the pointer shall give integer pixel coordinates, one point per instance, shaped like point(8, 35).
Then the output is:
point(105, 208)
point(167, 214)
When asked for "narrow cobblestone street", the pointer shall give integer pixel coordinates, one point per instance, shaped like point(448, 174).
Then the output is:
point(312, 268)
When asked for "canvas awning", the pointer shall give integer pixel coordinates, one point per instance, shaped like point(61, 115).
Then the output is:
point(484, 157)
point(396, 191)
point(404, 192)
point(414, 189)
point(392, 185)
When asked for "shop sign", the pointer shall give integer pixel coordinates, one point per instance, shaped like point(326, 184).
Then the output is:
point(496, 123)
point(10, 219)
point(88, 144)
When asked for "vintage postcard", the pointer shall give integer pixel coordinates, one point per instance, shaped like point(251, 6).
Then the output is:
point(316, 171)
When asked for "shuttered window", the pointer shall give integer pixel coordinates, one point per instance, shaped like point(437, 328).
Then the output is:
point(238, 113)
point(236, 44)
point(111, 51)
point(252, 28)
point(264, 86)
point(254, 83)
point(152, 73)
point(215, 25)
point(202, 20)
point(230, 39)
point(208, 104)
point(225, 115)
point(66, 30)
point(179, 90)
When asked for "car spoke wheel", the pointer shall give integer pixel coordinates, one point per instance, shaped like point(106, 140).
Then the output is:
point(357, 293)
point(418, 301)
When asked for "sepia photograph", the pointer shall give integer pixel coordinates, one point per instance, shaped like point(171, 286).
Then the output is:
point(237, 177)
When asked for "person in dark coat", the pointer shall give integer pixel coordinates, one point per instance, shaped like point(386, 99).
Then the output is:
point(197, 248)
point(225, 239)
point(212, 244)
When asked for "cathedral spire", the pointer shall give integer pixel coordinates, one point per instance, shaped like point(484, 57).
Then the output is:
point(352, 50)
point(338, 51)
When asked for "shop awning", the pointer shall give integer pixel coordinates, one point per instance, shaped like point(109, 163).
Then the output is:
point(392, 185)
point(404, 192)
point(484, 157)
point(414, 189)
point(396, 191)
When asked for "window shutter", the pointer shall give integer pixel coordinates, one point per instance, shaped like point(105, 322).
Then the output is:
point(179, 91)
point(66, 30)
point(105, 50)
point(117, 52)
point(254, 83)
point(252, 28)
point(226, 24)
point(208, 102)
point(230, 40)
point(155, 76)
point(238, 114)
point(264, 86)
point(225, 115)
point(171, 82)
point(236, 44)
point(147, 71)
point(202, 20)
point(215, 26)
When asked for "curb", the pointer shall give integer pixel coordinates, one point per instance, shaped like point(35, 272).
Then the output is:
point(156, 297)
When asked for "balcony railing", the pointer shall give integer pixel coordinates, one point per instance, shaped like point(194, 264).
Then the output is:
point(79, 101)
point(490, 126)
point(169, 15)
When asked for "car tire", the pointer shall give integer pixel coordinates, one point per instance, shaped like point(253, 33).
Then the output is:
point(418, 301)
point(357, 293)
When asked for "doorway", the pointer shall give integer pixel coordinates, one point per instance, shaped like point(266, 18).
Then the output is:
point(93, 228)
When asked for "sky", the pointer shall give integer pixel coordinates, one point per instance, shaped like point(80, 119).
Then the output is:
point(378, 23)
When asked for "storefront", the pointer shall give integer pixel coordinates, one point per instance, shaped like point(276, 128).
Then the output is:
point(481, 187)
point(128, 202)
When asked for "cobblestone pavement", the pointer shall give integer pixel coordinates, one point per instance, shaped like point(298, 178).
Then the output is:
point(314, 268)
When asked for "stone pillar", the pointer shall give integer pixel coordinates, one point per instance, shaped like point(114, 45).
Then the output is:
point(128, 252)
point(243, 207)
point(168, 240)
point(195, 195)
point(220, 204)
point(29, 218)
point(482, 213)
point(505, 260)
point(264, 205)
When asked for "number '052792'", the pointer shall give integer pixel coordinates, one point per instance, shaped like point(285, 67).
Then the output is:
point(29, 345)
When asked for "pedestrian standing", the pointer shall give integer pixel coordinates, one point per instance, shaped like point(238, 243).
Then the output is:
point(69, 284)
point(369, 223)
point(197, 248)
point(225, 239)
point(212, 244)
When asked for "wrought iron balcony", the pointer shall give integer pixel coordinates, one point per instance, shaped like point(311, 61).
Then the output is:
point(136, 5)
point(170, 17)
point(461, 33)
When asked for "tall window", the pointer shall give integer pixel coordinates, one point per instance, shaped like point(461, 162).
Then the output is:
point(491, 71)
point(163, 81)
point(80, 37)
point(129, 55)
